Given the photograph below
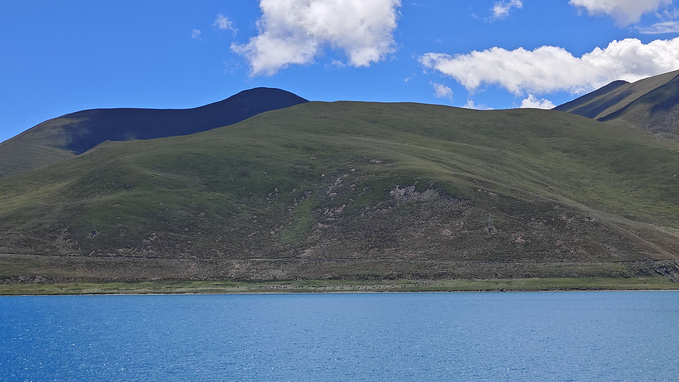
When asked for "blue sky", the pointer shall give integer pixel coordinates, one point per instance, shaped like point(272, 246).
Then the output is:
point(58, 57)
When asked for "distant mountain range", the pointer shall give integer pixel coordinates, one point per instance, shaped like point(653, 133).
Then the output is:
point(347, 191)
point(651, 104)
point(72, 134)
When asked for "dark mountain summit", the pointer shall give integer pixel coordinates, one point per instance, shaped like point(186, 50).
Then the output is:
point(72, 134)
point(99, 125)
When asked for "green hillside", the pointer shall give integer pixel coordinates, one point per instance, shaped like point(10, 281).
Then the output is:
point(34, 148)
point(353, 191)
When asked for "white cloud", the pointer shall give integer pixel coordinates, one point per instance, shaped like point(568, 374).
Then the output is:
point(670, 13)
point(296, 31)
point(535, 103)
point(471, 105)
point(195, 34)
point(667, 22)
point(442, 91)
point(223, 23)
point(549, 68)
point(624, 12)
point(501, 8)
point(660, 28)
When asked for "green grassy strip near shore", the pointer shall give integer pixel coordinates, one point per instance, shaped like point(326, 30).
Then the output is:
point(340, 286)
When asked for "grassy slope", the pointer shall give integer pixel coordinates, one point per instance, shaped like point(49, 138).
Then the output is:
point(37, 147)
point(353, 191)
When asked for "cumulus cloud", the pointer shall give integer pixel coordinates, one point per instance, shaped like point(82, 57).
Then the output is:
point(501, 8)
point(549, 68)
point(624, 12)
point(223, 23)
point(296, 31)
point(535, 103)
point(442, 91)
point(195, 34)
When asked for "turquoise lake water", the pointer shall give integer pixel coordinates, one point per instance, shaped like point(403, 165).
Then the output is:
point(563, 336)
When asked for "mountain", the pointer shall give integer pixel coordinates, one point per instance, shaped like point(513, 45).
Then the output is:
point(651, 104)
point(593, 104)
point(353, 191)
point(73, 134)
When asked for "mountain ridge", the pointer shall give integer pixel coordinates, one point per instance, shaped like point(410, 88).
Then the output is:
point(651, 104)
point(73, 134)
point(361, 191)
point(587, 105)
point(353, 191)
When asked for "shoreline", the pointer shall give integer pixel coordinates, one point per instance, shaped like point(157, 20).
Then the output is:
point(340, 286)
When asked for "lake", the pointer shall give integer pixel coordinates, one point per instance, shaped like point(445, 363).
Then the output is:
point(563, 336)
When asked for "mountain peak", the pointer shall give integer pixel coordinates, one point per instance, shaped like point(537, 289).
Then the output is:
point(258, 100)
